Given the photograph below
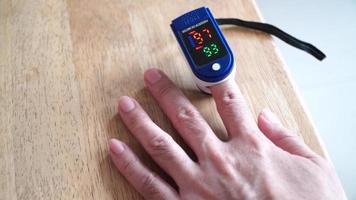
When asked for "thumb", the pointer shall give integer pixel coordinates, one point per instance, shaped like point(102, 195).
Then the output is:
point(273, 129)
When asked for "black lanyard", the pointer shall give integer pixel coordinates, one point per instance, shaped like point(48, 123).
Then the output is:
point(273, 30)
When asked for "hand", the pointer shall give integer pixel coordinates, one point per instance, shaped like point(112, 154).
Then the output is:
point(260, 161)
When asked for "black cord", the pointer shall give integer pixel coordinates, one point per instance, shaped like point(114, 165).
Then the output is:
point(268, 28)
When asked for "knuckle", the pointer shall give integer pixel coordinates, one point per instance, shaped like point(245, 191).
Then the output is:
point(165, 89)
point(215, 153)
point(322, 162)
point(256, 144)
point(232, 102)
point(216, 156)
point(231, 98)
point(148, 187)
point(255, 140)
point(286, 139)
point(187, 114)
point(138, 122)
point(190, 121)
point(222, 161)
point(159, 146)
point(128, 167)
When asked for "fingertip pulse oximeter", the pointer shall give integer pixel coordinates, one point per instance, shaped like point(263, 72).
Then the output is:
point(205, 48)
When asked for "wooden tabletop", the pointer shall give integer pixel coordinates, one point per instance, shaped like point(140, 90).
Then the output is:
point(64, 64)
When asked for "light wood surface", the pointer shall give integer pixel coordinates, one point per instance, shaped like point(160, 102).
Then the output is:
point(64, 64)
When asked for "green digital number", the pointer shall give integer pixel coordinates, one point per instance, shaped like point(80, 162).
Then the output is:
point(214, 48)
point(207, 51)
point(210, 50)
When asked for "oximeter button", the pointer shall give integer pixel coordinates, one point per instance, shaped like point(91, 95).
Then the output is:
point(216, 66)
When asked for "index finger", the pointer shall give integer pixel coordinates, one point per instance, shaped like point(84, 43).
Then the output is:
point(233, 109)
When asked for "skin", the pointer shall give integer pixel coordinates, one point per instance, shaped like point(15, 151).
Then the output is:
point(262, 160)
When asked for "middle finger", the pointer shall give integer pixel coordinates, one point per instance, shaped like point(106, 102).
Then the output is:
point(184, 116)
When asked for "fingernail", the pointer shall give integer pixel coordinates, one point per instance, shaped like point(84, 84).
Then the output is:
point(153, 76)
point(116, 147)
point(126, 104)
point(270, 116)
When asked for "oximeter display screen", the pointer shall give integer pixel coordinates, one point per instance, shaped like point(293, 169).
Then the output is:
point(203, 43)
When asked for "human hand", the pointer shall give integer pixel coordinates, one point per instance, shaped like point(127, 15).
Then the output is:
point(261, 160)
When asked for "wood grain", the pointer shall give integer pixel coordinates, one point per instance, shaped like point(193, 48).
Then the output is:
point(64, 64)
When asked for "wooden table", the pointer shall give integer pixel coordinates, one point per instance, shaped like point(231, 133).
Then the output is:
point(64, 64)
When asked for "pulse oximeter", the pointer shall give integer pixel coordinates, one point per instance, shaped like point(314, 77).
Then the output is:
point(205, 48)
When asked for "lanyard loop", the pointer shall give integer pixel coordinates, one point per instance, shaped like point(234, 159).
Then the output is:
point(273, 30)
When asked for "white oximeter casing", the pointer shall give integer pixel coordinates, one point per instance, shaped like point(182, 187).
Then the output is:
point(205, 48)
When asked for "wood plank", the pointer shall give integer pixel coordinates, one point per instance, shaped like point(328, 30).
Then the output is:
point(63, 66)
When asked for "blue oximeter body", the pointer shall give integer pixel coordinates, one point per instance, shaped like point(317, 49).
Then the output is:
point(205, 48)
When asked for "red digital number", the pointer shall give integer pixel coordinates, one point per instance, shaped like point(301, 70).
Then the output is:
point(198, 39)
point(197, 36)
point(207, 32)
